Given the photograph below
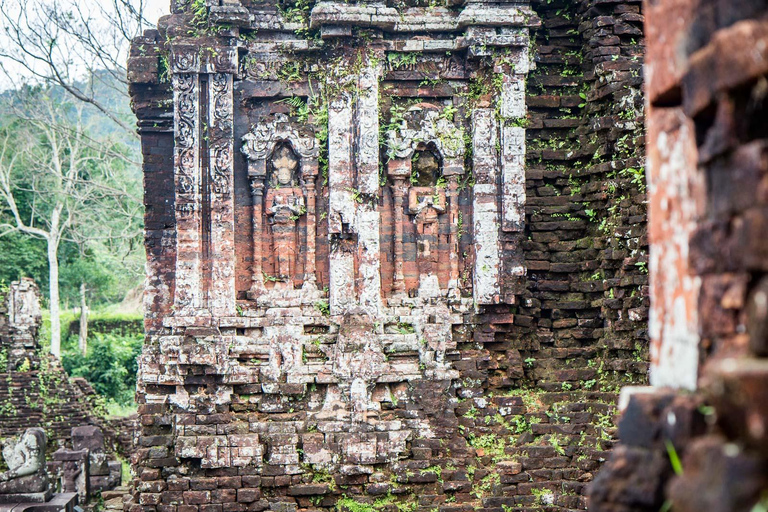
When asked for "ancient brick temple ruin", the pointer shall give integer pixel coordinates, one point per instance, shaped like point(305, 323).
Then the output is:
point(700, 444)
point(396, 252)
point(45, 415)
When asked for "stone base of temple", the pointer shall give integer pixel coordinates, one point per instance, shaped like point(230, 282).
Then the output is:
point(107, 482)
point(63, 502)
point(28, 497)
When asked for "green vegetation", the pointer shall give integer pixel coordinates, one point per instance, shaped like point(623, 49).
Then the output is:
point(199, 13)
point(674, 458)
point(110, 365)
point(388, 502)
point(762, 505)
point(401, 60)
point(323, 306)
point(488, 444)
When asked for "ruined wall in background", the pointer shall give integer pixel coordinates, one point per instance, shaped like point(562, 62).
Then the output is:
point(707, 64)
point(35, 391)
point(396, 253)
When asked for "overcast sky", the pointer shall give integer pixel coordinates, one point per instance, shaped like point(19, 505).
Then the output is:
point(157, 8)
point(153, 10)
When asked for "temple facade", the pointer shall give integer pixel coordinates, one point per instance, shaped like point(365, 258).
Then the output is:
point(339, 259)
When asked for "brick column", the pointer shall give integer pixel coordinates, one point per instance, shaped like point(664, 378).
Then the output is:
point(221, 168)
point(257, 205)
point(485, 136)
point(188, 299)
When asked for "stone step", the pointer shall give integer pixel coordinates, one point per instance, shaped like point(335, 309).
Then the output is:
point(113, 504)
point(117, 492)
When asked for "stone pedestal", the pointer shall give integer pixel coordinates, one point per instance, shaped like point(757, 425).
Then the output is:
point(102, 473)
point(74, 469)
point(63, 502)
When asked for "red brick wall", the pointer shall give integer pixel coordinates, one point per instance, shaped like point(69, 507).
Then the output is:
point(529, 419)
point(707, 72)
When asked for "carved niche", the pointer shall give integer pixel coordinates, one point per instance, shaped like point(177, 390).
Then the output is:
point(282, 169)
point(426, 161)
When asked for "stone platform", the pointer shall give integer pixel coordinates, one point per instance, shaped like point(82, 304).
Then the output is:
point(59, 502)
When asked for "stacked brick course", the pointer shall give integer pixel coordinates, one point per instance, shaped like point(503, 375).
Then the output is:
point(389, 343)
point(685, 451)
point(34, 388)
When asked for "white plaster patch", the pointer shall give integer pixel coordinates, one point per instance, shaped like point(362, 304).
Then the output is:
point(673, 317)
point(513, 178)
point(485, 207)
point(368, 131)
point(370, 264)
point(513, 97)
point(677, 364)
point(340, 171)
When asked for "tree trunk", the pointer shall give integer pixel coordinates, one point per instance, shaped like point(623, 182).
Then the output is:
point(83, 339)
point(53, 273)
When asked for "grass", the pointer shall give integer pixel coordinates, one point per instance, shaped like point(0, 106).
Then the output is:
point(120, 410)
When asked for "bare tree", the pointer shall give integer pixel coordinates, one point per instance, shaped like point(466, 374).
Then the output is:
point(70, 187)
point(62, 41)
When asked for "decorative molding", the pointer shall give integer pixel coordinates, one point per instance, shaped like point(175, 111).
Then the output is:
point(438, 65)
point(221, 120)
point(185, 117)
point(259, 143)
point(184, 60)
point(432, 128)
point(186, 92)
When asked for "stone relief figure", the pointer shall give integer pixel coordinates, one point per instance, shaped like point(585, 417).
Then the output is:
point(426, 201)
point(426, 160)
point(26, 466)
point(279, 151)
point(285, 203)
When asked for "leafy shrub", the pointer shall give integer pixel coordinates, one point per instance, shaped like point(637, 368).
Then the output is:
point(110, 365)
point(118, 324)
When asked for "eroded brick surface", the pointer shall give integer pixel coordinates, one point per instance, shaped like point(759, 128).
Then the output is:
point(707, 168)
point(396, 253)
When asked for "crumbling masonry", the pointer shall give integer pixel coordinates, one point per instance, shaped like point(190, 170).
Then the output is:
point(700, 444)
point(396, 252)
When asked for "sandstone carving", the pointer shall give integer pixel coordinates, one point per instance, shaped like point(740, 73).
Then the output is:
point(285, 205)
point(26, 478)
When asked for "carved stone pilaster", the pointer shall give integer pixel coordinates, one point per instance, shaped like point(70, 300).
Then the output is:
point(221, 170)
point(368, 218)
point(186, 98)
point(368, 129)
point(341, 207)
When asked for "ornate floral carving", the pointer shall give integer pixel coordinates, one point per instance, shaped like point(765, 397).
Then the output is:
point(225, 60)
point(184, 86)
point(267, 67)
point(222, 124)
point(430, 65)
point(184, 61)
point(261, 140)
